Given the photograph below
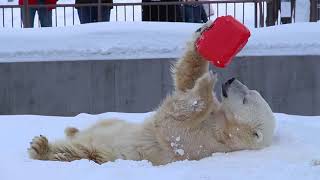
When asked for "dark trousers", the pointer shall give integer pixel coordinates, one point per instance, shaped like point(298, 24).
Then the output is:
point(45, 17)
point(90, 14)
point(273, 8)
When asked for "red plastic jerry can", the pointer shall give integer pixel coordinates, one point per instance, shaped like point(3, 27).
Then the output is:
point(222, 41)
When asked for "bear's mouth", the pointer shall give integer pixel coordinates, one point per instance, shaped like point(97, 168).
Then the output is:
point(226, 86)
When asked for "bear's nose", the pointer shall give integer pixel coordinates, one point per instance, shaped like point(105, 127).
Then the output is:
point(230, 81)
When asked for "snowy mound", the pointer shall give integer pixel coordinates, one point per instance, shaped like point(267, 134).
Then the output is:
point(136, 40)
point(291, 156)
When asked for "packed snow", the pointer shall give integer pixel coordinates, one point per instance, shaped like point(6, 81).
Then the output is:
point(294, 154)
point(136, 40)
point(302, 10)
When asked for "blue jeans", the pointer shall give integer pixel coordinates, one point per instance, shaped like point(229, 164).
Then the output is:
point(45, 17)
point(193, 14)
point(90, 14)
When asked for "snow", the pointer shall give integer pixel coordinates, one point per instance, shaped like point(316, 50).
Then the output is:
point(293, 155)
point(178, 138)
point(285, 9)
point(302, 10)
point(134, 40)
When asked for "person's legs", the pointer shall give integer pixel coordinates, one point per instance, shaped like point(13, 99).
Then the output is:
point(286, 20)
point(28, 19)
point(45, 17)
point(270, 14)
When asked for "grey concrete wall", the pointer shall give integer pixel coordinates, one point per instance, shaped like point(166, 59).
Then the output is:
point(289, 84)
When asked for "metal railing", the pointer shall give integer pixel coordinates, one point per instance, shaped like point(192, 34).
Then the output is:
point(249, 12)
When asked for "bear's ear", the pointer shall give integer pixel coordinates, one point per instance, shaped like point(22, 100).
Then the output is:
point(258, 135)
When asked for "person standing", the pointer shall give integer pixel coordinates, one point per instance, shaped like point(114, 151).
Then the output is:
point(273, 7)
point(89, 14)
point(44, 13)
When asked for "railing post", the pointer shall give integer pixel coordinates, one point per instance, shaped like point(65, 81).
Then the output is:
point(261, 17)
point(255, 14)
point(99, 11)
point(26, 14)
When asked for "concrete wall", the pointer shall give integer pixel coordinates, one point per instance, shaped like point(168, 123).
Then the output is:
point(290, 84)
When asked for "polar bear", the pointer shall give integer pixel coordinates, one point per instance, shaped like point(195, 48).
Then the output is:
point(189, 124)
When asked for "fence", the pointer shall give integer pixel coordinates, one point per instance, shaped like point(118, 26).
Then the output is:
point(254, 13)
point(249, 12)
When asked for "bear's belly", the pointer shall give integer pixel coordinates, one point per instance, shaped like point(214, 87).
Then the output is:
point(191, 144)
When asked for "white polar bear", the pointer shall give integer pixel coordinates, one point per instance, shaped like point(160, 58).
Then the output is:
point(189, 124)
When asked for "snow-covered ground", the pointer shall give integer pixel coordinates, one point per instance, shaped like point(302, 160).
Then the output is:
point(134, 40)
point(293, 154)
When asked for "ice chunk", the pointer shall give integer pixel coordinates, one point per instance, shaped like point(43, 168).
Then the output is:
point(178, 138)
point(179, 151)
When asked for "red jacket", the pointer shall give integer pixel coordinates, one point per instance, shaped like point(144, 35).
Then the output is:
point(36, 2)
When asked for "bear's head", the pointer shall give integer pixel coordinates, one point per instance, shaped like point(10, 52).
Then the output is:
point(249, 122)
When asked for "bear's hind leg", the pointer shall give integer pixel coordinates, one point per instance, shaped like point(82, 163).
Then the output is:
point(67, 150)
point(41, 149)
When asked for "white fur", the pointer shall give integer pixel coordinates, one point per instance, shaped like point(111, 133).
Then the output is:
point(190, 124)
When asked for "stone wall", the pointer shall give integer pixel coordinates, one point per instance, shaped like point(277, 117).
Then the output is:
point(290, 84)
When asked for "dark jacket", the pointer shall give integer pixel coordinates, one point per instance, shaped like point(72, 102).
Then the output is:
point(92, 1)
point(169, 13)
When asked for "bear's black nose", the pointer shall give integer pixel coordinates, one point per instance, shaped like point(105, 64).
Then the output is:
point(198, 30)
point(226, 86)
point(230, 81)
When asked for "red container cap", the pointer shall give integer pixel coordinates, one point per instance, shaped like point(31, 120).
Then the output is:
point(220, 43)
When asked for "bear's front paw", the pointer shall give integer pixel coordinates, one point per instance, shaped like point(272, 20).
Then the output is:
point(39, 147)
point(208, 80)
point(205, 84)
point(203, 28)
point(213, 77)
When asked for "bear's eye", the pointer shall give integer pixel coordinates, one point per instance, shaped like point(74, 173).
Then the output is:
point(244, 101)
point(256, 135)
